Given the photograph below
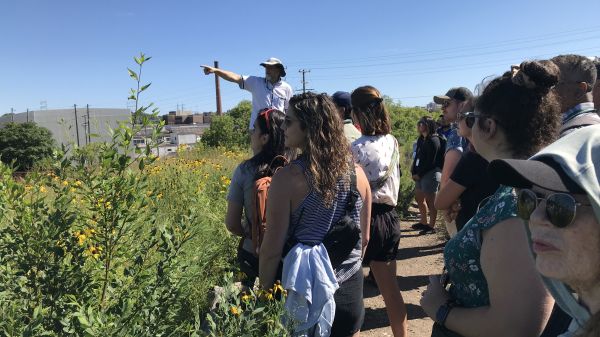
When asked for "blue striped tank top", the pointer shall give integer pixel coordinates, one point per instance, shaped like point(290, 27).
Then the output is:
point(310, 222)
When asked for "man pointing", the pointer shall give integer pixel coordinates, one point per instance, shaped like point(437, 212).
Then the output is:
point(267, 92)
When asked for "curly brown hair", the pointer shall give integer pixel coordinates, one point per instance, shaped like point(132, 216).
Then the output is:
point(326, 150)
point(370, 112)
point(524, 106)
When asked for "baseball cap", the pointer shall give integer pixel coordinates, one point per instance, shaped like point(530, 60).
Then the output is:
point(460, 94)
point(571, 164)
point(272, 61)
point(342, 98)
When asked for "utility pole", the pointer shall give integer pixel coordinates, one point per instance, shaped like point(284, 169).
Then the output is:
point(218, 90)
point(304, 71)
point(27, 115)
point(89, 129)
point(12, 115)
point(76, 124)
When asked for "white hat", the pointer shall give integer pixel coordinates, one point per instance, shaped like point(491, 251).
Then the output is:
point(274, 62)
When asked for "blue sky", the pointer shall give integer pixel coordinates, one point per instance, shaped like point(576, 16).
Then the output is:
point(77, 51)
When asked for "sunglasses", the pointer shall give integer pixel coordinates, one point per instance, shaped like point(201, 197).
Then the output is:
point(265, 113)
point(560, 207)
point(469, 118)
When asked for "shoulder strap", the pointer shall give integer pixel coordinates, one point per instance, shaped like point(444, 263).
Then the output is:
point(353, 191)
point(278, 157)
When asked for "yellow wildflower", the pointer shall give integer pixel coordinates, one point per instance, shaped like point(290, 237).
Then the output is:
point(28, 187)
point(80, 237)
point(42, 189)
point(65, 183)
point(269, 295)
point(234, 310)
point(159, 195)
point(72, 190)
point(278, 287)
point(246, 297)
point(94, 251)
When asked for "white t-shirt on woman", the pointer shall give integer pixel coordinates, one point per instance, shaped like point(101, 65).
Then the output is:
point(374, 154)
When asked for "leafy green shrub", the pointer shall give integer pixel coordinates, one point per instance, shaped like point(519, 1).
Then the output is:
point(404, 128)
point(230, 129)
point(256, 314)
point(113, 241)
point(25, 144)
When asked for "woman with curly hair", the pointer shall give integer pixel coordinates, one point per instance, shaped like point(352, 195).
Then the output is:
point(267, 143)
point(377, 153)
point(494, 287)
point(306, 199)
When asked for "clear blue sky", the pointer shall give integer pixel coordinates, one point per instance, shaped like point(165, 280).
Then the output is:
point(76, 52)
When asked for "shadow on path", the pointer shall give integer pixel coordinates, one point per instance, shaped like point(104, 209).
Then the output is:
point(405, 283)
point(377, 318)
point(407, 253)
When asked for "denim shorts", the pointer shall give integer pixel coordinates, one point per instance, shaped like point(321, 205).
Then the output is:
point(430, 182)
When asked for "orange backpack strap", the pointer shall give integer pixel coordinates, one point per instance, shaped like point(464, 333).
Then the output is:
point(259, 218)
point(261, 192)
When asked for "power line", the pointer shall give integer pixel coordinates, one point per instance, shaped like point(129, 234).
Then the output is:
point(521, 40)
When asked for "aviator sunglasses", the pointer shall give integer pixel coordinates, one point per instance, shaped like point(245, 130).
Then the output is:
point(469, 118)
point(560, 207)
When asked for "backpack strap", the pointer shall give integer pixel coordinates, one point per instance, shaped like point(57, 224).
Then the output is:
point(278, 157)
point(353, 192)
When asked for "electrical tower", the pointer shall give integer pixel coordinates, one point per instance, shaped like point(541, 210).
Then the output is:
point(304, 82)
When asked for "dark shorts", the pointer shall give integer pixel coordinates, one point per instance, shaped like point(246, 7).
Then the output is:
point(349, 306)
point(385, 234)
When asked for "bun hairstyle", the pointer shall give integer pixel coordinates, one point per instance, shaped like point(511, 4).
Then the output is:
point(540, 75)
point(370, 112)
point(524, 106)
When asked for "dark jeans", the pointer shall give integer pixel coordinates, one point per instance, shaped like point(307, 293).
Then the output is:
point(349, 306)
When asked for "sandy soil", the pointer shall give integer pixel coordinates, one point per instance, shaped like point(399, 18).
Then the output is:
point(418, 257)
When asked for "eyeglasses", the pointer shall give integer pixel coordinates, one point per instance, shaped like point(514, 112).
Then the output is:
point(480, 115)
point(469, 118)
point(560, 207)
point(446, 103)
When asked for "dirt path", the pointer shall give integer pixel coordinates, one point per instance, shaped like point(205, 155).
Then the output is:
point(418, 257)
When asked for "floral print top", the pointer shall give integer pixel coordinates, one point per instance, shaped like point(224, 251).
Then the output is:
point(462, 253)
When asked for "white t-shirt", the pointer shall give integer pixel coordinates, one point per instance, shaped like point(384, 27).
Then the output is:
point(266, 95)
point(374, 154)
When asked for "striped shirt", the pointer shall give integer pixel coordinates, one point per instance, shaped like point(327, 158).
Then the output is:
point(310, 222)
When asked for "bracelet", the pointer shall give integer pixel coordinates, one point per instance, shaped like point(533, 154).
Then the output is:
point(442, 313)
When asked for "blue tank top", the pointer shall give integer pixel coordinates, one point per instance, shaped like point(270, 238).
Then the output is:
point(310, 222)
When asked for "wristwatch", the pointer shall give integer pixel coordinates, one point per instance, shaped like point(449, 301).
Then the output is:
point(442, 313)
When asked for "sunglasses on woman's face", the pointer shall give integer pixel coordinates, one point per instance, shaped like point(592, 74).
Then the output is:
point(560, 207)
point(469, 118)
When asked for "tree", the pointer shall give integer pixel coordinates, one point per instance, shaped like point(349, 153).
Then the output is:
point(25, 144)
point(231, 128)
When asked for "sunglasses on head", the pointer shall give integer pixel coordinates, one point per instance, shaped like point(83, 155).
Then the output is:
point(266, 113)
point(560, 207)
point(469, 118)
